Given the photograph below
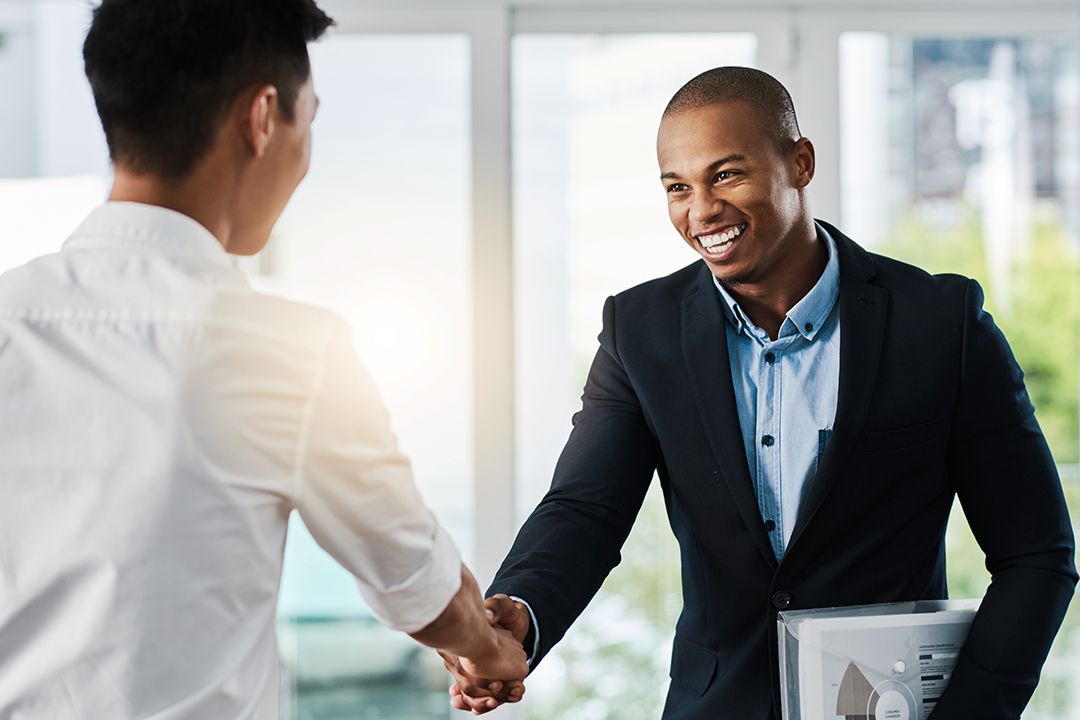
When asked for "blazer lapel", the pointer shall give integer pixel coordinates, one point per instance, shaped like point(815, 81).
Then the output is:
point(704, 344)
point(862, 330)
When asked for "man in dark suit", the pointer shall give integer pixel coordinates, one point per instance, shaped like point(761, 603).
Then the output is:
point(812, 410)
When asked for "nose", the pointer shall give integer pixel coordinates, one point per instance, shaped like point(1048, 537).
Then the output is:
point(704, 206)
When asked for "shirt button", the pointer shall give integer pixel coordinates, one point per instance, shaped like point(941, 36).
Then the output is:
point(781, 600)
point(770, 358)
point(768, 441)
point(769, 526)
point(809, 327)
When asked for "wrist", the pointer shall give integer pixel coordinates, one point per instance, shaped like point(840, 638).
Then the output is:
point(482, 644)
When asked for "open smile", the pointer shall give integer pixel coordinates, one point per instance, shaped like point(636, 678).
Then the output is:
point(717, 244)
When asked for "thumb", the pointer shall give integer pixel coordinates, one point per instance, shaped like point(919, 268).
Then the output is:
point(501, 605)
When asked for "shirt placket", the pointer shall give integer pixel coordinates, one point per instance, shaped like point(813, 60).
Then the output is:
point(768, 441)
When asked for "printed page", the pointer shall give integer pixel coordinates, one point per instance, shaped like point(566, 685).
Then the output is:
point(886, 667)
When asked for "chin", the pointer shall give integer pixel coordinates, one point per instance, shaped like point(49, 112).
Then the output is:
point(732, 276)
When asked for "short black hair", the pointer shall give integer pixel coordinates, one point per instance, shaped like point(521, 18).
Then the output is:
point(164, 73)
point(733, 83)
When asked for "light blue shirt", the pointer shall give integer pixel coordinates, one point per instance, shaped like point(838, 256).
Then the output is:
point(785, 393)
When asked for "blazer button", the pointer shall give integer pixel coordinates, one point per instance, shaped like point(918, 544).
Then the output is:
point(781, 600)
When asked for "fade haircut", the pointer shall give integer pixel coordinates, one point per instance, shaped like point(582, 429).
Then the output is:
point(759, 89)
point(164, 73)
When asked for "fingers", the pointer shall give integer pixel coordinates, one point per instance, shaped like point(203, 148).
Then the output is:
point(507, 662)
point(503, 609)
point(469, 684)
point(460, 701)
point(509, 614)
point(481, 689)
point(471, 691)
point(515, 690)
point(468, 693)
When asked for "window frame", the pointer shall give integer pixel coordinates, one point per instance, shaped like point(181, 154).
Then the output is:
point(798, 42)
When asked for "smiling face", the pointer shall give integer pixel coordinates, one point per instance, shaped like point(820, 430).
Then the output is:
point(734, 196)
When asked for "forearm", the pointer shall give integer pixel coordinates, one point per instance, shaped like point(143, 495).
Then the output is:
point(1008, 643)
point(570, 543)
point(559, 560)
point(462, 628)
point(1025, 530)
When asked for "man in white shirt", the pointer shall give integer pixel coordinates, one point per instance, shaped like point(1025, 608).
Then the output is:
point(159, 420)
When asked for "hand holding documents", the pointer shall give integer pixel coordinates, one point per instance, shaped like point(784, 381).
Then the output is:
point(870, 662)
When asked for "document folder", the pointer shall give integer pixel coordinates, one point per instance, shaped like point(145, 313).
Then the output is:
point(870, 662)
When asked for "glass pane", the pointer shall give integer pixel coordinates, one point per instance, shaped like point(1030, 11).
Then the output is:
point(586, 109)
point(963, 155)
point(380, 231)
point(54, 166)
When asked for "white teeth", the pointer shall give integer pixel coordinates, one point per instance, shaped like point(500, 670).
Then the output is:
point(724, 238)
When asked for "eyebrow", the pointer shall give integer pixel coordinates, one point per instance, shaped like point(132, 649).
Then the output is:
point(715, 165)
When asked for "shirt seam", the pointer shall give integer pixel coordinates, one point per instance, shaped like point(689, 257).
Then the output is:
point(306, 417)
point(78, 317)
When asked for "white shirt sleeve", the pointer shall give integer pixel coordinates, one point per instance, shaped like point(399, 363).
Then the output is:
point(355, 492)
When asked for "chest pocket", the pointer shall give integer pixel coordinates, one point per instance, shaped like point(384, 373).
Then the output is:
point(822, 441)
point(900, 438)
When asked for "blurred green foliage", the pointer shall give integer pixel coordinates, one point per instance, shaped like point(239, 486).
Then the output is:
point(1041, 318)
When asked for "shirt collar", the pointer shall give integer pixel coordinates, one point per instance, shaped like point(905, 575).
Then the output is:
point(149, 228)
point(810, 313)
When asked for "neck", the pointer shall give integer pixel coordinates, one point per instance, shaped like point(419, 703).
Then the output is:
point(200, 198)
point(768, 301)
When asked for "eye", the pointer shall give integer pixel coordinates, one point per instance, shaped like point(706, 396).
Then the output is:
point(676, 188)
point(726, 175)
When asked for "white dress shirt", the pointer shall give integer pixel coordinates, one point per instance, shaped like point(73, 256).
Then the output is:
point(159, 420)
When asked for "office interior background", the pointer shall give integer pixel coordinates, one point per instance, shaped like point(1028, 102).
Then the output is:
point(484, 176)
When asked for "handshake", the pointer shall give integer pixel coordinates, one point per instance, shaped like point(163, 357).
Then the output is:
point(485, 681)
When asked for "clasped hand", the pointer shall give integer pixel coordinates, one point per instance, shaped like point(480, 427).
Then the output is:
point(484, 686)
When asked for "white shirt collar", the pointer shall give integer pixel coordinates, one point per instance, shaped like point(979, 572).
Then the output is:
point(149, 228)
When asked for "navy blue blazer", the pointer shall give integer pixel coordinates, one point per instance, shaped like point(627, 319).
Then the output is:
point(931, 406)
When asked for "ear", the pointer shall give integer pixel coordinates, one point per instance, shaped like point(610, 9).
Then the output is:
point(802, 162)
point(258, 119)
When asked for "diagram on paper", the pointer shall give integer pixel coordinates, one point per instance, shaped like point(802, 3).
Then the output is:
point(889, 667)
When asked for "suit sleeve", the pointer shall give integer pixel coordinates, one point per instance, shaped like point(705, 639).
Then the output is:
point(573, 538)
point(1008, 486)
